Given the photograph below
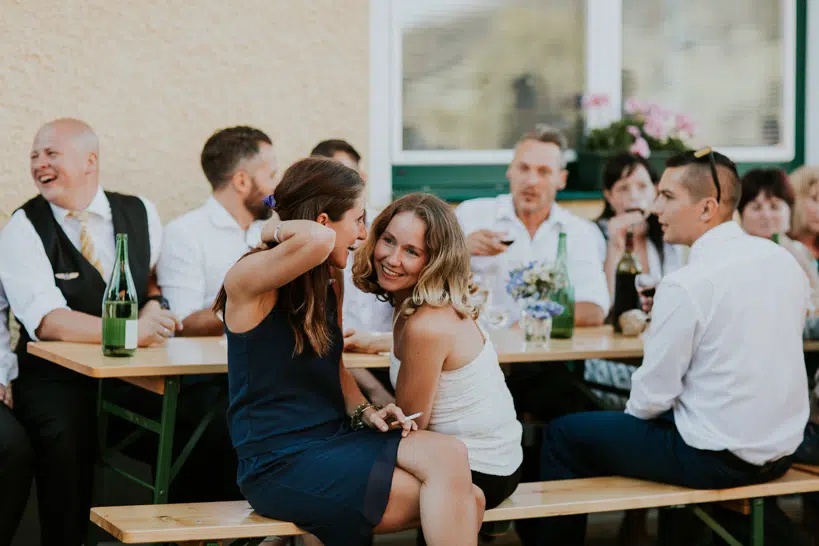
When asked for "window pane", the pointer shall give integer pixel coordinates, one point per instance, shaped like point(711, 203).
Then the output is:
point(718, 62)
point(478, 73)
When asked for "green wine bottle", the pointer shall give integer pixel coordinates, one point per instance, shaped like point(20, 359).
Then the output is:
point(775, 238)
point(563, 324)
point(119, 306)
point(626, 296)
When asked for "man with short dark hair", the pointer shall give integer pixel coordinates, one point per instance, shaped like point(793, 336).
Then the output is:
point(342, 151)
point(721, 398)
point(198, 250)
point(201, 245)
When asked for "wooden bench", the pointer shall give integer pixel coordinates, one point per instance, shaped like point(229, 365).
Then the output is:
point(213, 523)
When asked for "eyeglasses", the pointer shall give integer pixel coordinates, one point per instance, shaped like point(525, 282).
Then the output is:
point(707, 151)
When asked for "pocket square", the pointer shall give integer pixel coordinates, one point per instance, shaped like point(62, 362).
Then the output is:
point(67, 276)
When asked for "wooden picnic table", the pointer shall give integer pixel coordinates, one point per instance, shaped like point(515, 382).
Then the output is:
point(159, 370)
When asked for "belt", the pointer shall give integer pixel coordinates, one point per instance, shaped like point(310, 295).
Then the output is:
point(729, 459)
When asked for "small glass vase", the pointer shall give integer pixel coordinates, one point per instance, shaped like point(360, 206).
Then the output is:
point(536, 331)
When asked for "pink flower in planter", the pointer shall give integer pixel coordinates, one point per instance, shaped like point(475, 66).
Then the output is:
point(634, 107)
point(634, 131)
point(655, 127)
point(640, 147)
point(684, 124)
point(657, 111)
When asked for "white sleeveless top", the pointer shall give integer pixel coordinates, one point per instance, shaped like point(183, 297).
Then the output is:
point(474, 404)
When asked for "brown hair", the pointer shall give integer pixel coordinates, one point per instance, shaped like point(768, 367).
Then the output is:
point(446, 278)
point(310, 187)
point(548, 135)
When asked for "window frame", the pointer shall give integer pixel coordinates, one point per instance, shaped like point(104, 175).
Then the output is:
point(604, 34)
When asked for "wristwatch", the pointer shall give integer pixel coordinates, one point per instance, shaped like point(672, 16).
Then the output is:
point(163, 303)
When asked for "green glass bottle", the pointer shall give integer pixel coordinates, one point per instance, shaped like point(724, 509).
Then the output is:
point(119, 306)
point(563, 324)
point(775, 238)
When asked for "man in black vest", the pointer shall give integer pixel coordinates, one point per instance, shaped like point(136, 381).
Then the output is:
point(56, 253)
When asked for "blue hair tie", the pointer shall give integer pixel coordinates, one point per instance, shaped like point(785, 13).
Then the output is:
point(270, 201)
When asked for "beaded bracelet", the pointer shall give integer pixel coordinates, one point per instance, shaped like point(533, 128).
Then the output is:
point(356, 421)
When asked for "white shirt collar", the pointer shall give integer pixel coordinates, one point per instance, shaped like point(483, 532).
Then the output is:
point(98, 206)
point(506, 210)
point(715, 236)
point(219, 215)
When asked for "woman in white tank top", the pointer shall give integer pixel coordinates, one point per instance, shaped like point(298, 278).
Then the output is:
point(442, 364)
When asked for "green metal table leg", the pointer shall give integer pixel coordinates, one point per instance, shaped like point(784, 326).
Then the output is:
point(167, 422)
point(715, 526)
point(757, 522)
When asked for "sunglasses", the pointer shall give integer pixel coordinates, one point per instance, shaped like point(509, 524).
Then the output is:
point(709, 153)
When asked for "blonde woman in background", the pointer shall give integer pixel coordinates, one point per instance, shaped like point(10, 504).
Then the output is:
point(805, 222)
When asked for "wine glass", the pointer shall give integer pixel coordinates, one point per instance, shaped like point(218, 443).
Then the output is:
point(646, 285)
point(496, 314)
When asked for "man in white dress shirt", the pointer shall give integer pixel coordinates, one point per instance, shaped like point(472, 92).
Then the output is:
point(16, 455)
point(367, 320)
point(198, 249)
point(529, 217)
point(57, 253)
point(721, 397)
point(201, 246)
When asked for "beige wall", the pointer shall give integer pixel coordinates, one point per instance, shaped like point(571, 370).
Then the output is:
point(156, 77)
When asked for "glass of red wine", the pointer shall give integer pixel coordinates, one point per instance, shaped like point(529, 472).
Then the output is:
point(646, 285)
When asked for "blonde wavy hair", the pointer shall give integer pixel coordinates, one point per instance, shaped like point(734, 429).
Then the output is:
point(446, 278)
point(802, 180)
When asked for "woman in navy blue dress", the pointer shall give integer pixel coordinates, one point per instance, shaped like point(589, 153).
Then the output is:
point(311, 449)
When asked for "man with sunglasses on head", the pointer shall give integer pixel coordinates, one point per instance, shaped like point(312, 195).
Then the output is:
point(721, 397)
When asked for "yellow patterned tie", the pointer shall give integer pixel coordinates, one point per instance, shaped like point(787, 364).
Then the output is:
point(86, 241)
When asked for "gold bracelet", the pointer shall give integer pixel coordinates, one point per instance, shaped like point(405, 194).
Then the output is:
point(356, 419)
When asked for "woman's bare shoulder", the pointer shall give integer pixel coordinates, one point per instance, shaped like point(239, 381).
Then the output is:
point(428, 320)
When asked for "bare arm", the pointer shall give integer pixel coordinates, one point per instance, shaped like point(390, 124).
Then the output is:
point(353, 397)
point(202, 323)
point(427, 343)
point(252, 283)
point(67, 325)
point(304, 245)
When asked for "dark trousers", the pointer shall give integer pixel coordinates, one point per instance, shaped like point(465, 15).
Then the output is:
point(16, 473)
point(616, 444)
point(57, 408)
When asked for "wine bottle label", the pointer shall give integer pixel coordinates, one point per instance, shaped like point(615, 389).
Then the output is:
point(119, 333)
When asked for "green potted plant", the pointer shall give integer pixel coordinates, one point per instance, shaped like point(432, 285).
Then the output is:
point(645, 129)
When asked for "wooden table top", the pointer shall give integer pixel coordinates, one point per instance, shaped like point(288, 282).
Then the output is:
point(178, 356)
point(206, 355)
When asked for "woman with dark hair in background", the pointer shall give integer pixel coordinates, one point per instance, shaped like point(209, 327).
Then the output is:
point(629, 188)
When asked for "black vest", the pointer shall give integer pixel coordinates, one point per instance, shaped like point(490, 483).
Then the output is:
point(84, 293)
